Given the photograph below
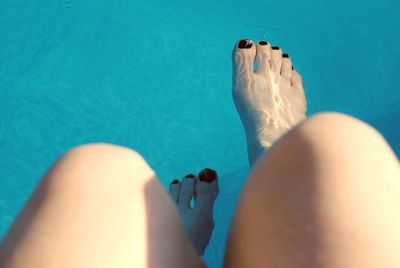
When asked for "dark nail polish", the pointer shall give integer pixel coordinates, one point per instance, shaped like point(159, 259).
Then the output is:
point(275, 48)
point(264, 43)
point(175, 182)
point(208, 175)
point(292, 68)
point(285, 55)
point(189, 176)
point(246, 43)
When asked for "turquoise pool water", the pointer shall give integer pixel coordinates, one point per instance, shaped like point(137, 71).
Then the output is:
point(156, 76)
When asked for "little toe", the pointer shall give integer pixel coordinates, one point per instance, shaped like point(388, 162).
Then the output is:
point(286, 66)
point(263, 57)
point(186, 191)
point(276, 60)
point(174, 188)
point(243, 56)
point(296, 80)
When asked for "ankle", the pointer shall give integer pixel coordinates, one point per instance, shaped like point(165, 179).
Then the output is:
point(255, 149)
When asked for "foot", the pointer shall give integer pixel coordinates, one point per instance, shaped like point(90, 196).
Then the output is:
point(270, 100)
point(198, 221)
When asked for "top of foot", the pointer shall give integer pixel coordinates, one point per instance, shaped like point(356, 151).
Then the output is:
point(270, 100)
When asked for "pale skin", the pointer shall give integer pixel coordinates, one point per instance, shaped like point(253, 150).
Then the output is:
point(323, 192)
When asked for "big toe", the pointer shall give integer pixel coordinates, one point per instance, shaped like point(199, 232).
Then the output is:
point(243, 56)
point(206, 189)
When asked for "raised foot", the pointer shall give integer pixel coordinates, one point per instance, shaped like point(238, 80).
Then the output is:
point(270, 100)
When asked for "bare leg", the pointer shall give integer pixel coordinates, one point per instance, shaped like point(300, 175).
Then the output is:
point(326, 194)
point(99, 206)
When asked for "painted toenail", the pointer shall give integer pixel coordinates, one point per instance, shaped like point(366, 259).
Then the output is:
point(208, 175)
point(275, 48)
point(175, 182)
point(189, 176)
point(246, 43)
point(292, 68)
point(264, 43)
point(285, 55)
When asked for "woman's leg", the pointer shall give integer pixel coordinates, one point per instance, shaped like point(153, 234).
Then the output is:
point(99, 206)
point(326, 195)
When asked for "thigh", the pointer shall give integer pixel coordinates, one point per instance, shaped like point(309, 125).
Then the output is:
point(99, 206)
point(326, 195)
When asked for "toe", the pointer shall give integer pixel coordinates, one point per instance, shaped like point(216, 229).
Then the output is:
point(206, 188)
point(296, 80)
point(276, 60)
point(174, 188)
point(263, 57)
point(187, 191)
point(243, 56)
point(298, 92)
point(286, 66)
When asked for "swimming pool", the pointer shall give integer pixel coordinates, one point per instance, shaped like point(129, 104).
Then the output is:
point(157, 77)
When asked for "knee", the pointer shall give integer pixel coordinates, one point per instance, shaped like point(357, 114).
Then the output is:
point(100, 164)
point(331, 138)
point(103, 152)
point(337, 132)
point(336, 124)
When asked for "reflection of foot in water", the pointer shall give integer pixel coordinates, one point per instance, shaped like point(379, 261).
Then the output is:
point(270, 100)
point(198, 221)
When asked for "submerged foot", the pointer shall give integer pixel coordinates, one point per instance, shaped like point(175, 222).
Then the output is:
point(270, 100)
point(198, 221)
